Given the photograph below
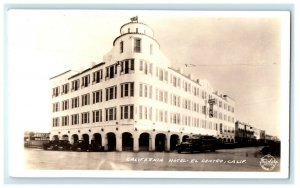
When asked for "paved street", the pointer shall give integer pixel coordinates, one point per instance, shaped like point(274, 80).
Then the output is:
point(239, 159)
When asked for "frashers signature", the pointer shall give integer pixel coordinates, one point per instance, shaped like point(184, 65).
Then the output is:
point(182, 160)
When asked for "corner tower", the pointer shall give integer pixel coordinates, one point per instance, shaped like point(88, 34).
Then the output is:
point(136, 40)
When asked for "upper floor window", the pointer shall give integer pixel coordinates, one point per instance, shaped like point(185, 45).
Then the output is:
point(65, 88)
point(85, 117)
point(121, 46)
point(151, 49)
point(75, 85)
point(111, 71)
point(55, 107)
point(111, 93)
point(55, 122)
point(65, 105)
point(110, 114)
point(97, 96)
point(136, 30)
point(65, 120)
point(75, 119)
point(85, 81)
point(55, 92)
point(161, 75)
point(75, 102)
point(85, 99)
point(127, 112)
point(97, 76)
point(127, 66)
point(127, 89)
point(97, 116)
point(137, 45)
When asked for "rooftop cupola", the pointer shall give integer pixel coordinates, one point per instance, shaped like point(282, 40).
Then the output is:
point(134, 26)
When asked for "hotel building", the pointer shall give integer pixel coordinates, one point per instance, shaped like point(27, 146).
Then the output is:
point(134, 100)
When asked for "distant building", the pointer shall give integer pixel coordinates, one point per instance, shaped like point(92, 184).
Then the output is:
point(135, 100)
point(35, 139)
point(248, 135)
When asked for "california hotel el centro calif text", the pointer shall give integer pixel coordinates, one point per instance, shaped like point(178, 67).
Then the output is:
point(134, 99)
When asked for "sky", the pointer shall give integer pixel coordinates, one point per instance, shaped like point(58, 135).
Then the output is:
point(240, 54)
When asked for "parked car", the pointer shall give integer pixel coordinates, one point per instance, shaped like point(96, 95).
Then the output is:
point(96, 147)
point(57, 145)
point(62, 145)
point(80, 145)
point(198, 143)
point(272, 148)
point(49, 145)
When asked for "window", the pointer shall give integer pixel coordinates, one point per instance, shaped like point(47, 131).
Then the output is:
point(75, 102)
point(161, 74)
point(85, 117)
point(111, 71)
point(65, 120)
point(150, 92)
point(55, 122)
point(161, 116)
point(204, 110)
point(85, 81)
point(75, 119)
point(136, 30)
point(161, 94)
point(127, 112)
point(65, 105)
point(203, 95)
point(151, 49)
point(141, 90)
point(150, 68)
point(97, 96)
point(55, 107)
point(97, 116)
point(127, 89)
point(65, 88)
point(75, 85)
point(166, 117)
point(55, 92)
point(132, 64)
point(131, 89)
point(166, 97)
point(166, 76)
point(97, 76)
point(127, 66)
point(146, 68)
point(141, 112)
point(150, 113)
point(137, 45)
point(141, 65)
point(145, 90)
point(85, 99)
point(111, 93)
point(110, 114)
point(146, 112)
point(121, 46)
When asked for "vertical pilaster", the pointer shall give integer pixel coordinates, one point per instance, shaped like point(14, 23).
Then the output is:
point(136, 143)
point(104, 141)
point(118, 142)
point(167, 143)
point(152, 142)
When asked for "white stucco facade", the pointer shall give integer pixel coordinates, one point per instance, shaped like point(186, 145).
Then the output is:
point(135, 100)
